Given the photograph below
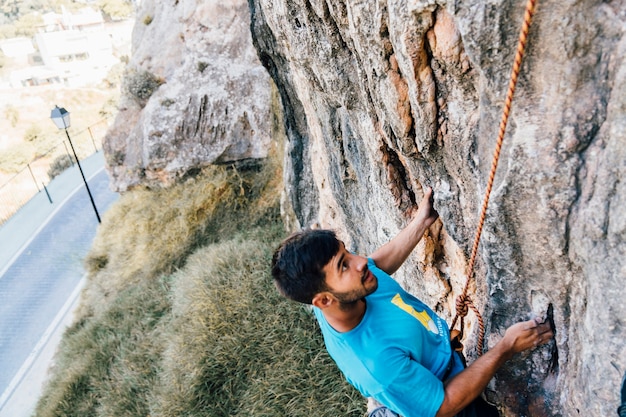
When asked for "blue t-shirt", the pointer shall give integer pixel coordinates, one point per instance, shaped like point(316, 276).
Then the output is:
point(398, 353)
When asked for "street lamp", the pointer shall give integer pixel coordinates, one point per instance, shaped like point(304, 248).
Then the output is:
point(61, 119)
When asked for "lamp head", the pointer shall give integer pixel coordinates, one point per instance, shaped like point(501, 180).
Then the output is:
point(60, 117)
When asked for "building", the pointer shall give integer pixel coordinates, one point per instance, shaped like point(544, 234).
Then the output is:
point(59, 48)
point(73, 49)
point(18, 49)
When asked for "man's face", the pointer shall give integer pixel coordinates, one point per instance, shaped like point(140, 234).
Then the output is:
point(348, 277)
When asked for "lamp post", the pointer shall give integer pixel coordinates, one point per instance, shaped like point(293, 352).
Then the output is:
point(61, 119)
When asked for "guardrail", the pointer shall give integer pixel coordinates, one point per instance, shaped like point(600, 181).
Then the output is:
point(35, 175)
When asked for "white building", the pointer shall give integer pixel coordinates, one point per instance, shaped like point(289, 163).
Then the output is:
point(73, 49)
point(84, 20)
point(57, 49)
point(17, 48)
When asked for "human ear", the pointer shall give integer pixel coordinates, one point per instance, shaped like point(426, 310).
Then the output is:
point(322, 300)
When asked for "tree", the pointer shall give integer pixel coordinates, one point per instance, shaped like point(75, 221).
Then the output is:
point(27, 24)
point(116, 9)
point(11, 114)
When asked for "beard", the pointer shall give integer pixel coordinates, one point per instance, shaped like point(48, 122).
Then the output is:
point(349, 298)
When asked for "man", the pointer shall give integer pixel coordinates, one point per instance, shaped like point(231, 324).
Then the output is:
point(387, 343)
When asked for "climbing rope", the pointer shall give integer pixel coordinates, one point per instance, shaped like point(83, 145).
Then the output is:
point(464, 302)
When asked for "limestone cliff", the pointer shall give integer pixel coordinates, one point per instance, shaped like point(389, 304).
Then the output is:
point(194, 94)
point(384, 97)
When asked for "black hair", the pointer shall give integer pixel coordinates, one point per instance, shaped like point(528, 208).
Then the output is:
point(297, 264)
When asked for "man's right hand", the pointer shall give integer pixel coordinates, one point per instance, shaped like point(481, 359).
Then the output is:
point(426, 214)
point(392, 255)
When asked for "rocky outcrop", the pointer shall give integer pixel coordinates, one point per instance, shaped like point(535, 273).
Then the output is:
point(195, 94)
point(384, 97)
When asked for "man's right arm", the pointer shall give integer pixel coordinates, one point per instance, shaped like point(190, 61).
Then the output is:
point(392, 255)
point(464, 387)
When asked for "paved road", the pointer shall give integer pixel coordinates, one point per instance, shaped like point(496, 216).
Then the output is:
point(39, 283)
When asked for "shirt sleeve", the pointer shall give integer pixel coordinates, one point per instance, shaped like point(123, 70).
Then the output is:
point(414, 392)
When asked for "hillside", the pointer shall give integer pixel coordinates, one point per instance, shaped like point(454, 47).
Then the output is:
point(377, 100)
point(179, 316)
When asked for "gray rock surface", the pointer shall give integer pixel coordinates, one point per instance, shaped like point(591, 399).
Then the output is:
point(384, 97)
point(195, 94)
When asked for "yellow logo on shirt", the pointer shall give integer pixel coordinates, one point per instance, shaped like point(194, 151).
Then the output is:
point(422, 316)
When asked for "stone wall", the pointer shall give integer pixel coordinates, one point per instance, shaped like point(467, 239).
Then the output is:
point(384, 97)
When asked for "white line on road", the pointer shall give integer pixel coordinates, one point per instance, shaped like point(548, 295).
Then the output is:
point(44, 223)
point(41, 344)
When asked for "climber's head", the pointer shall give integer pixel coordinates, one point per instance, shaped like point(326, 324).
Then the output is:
point(298, 263)
point(314, 267)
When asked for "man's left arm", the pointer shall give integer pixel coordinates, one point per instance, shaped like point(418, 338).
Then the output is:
point(392, 255)
point(465, 386)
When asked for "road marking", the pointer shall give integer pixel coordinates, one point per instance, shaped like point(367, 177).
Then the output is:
point(41, 344)
point(44, 224)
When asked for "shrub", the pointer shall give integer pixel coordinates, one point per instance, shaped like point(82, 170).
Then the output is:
point(109, 108)
point(15, 158)
point(33, 133)
point(41, 142)
point(60, 164)
point(116, 9)
point(167, 102)
point(202, 66)
point(12, 114)
point(141, 85)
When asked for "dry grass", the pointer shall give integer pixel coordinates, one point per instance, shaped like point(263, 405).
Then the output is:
point(180, 317)
point(150, 232)
point(235, 347)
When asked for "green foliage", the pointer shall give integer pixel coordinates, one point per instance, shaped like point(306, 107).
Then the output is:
point(109, 108)
point(147, 20)
point(202, 66)
point(11, 114)
point(41, 141)
point(60, 164)
point(27, 25)
point(7, 31)
point(33, 133)
point(116, 9)
point(23, 23)
point(167, 102)
point(19, 18)
point(141, 85)
point(14, 10)
point(15, 158)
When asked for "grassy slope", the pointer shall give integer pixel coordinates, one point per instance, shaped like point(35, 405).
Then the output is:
point(180, 317)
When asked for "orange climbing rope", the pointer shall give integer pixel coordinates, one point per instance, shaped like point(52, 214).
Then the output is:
point(464, 302)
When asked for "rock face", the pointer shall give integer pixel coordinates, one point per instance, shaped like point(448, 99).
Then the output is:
point(384, 97)
point(195, 94)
